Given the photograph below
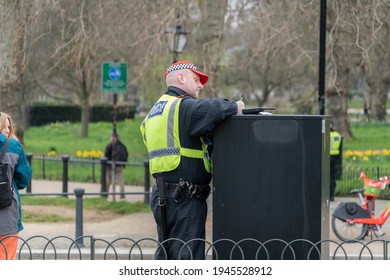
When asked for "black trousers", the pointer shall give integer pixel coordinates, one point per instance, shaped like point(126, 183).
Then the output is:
point(186, 221)
point(333, 170)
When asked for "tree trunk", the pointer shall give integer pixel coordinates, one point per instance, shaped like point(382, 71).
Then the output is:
point(338, 108)
point(337, 92)
point(85, 115)
point(85, 103)
point(11, 48)
point(340, 58)
point(210, 37)
point(378, 80)
point(378, 99)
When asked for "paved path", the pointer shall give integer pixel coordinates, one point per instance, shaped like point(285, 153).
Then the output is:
point(140, 223)
point(135, 226)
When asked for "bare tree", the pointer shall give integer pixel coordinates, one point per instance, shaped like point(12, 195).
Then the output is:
point(83, 34)
point(209, 38)
point(372, 39)
point(359, 37)
point(273, 52)
point(340, 46)
point(14, 18)
point(71, 67)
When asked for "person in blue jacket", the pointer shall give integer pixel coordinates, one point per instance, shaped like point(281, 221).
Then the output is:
point(178, 134)
point(11, 217)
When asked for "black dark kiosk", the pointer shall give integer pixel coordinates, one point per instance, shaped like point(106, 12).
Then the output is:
point(271, 187)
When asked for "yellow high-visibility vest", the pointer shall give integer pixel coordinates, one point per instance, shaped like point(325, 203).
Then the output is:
point(160, 133)
point(335, 141)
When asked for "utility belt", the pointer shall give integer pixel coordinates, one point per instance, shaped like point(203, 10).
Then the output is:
point(185, 189)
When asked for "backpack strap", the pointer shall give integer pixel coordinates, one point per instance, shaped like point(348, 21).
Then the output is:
point(4, 150)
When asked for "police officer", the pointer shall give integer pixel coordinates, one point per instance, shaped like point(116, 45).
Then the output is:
point(335, 157)
point(177, 133)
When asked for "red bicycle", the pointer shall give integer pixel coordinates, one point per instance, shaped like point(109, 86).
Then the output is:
point(351, 221)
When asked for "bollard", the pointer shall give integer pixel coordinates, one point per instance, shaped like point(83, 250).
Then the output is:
point(65, 161)
point(147, 182)
point(103, 182)
point(29, 159)
point(79, 216)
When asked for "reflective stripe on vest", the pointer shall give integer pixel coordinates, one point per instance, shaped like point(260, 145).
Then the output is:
point(160, 131)
point(335, 141)
point(191, 153)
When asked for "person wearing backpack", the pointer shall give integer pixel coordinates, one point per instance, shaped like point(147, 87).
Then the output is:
point(20, 173)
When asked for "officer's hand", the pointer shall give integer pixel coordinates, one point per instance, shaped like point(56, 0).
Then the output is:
point(240, 106)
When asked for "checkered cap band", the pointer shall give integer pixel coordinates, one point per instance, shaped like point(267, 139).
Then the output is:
point(187, 65)
point(180, 66)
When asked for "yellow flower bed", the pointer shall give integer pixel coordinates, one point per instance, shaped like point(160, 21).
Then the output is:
point(82, 154)
point(367, 155)
point(90, 154)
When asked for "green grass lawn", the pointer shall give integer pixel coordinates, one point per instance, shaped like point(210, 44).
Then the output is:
point(64, 138)
point(369, 136)
point(98, 204)
point(102, 204)
point(370, 146)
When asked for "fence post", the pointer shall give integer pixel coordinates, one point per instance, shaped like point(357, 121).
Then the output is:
point(79, 216)
point(43, 167)
point(65, 161)
point(146, 182)
point(103, 182)
point(29, 159)
point(93, 170)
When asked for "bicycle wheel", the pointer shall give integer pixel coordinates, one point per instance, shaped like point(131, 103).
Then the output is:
point(346, 231)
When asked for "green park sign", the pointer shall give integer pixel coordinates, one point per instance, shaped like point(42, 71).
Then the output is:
point(114, 77)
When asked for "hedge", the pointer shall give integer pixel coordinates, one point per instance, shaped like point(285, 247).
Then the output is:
point(45, 114)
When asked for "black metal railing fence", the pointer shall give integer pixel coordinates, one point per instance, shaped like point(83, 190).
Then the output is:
point(83, 170)
point(137, 173)
point(125, 248)
point(68, 169)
